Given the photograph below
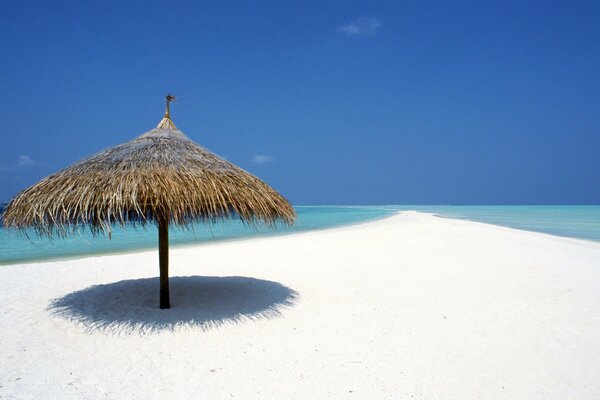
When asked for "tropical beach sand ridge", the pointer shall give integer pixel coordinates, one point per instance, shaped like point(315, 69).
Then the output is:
point(411, 306)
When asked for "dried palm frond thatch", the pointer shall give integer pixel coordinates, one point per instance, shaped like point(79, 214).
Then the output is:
point(160, 176)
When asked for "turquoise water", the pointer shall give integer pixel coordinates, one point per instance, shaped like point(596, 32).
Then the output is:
point(582, 222)
point(15, 248)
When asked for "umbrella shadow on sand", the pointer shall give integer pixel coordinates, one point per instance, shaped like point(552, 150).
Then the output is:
point(130, 306)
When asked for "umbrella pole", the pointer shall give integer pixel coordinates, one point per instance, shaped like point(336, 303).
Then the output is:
point(163, 256)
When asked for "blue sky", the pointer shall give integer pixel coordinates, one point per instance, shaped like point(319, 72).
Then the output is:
point(342, 102)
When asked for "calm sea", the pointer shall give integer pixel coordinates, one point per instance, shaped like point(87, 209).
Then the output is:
point(581, 222)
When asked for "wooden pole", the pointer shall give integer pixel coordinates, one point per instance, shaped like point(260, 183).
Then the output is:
point(163, 255)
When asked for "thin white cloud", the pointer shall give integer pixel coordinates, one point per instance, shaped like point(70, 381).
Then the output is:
point(25, 161)
point(262, 159)
point(367, 26)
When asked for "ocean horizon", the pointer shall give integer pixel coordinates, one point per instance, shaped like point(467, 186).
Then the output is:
point(574, 221)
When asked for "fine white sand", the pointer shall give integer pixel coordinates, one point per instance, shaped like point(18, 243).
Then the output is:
point(412, 306)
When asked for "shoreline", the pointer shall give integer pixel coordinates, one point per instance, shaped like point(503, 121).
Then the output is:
point(551, 235)
point(273, 234)
point(267, 234)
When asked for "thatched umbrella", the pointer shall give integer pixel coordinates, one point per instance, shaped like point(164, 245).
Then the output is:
point(160, 176)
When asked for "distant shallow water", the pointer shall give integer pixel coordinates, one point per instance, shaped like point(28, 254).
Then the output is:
point(16, 248)
point(582, 222)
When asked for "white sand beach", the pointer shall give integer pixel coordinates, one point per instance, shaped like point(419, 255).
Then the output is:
point(412, 306)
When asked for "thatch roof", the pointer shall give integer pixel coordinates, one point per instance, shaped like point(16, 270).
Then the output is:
point(160, 174)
